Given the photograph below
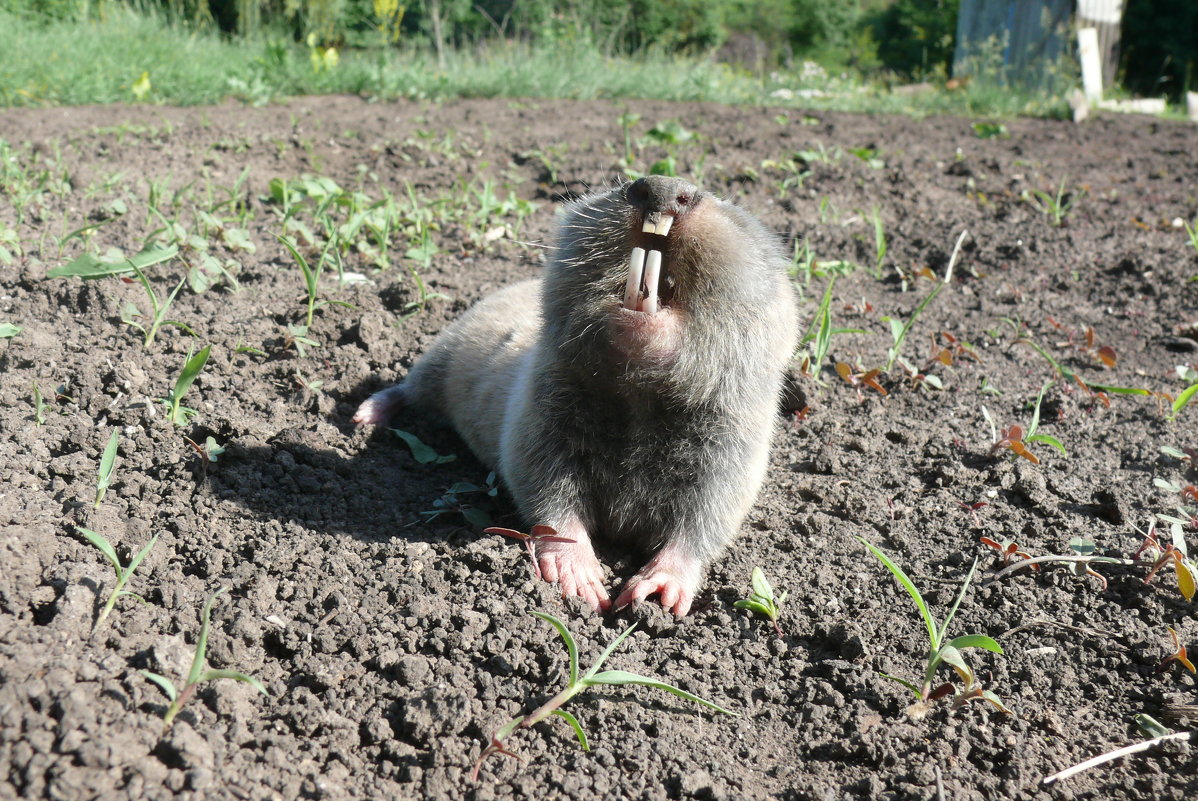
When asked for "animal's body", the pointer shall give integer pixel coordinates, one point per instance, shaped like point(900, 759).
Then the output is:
point(632, 391)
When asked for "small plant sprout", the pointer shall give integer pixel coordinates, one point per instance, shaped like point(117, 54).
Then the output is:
point(1183, 400)
point(539, 533)
point(39, 406)
point(1013, 438)
point(8, 330)
point(122, 573)
point(1174, 553)
point(158, 309)
point(422, 453)
point(576, 685)
point(312, 277)
point(1179, 655)
point(453, 501)
point(1056, 207)
point(942, 651)
point(1008, 549)
point(208, 453)
point(762, 600)
point(899, 329)
point(178, 413)
point(817, 340)
point(859, 378)
point(107, 462)
point(197, 674)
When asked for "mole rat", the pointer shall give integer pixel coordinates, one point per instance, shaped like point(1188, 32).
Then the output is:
point(632, 391)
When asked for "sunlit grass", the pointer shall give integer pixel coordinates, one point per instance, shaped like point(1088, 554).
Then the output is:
point(74, 63)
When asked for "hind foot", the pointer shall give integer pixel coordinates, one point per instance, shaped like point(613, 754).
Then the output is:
point(574, 566)
point(673, 575)
point(380, 407)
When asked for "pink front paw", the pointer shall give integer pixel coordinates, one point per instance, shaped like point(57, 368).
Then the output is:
point(671, 575)
point(574, 566)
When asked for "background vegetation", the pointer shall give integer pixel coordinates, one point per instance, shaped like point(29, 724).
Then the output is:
point(66, 51)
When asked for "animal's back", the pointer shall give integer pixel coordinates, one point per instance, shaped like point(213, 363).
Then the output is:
point(472, 366)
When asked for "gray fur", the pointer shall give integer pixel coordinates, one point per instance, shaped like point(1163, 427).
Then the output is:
point(645, 451)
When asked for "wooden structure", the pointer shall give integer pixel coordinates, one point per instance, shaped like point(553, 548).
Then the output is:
point(1023, 37)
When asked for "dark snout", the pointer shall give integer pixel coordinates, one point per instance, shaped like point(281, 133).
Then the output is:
point(657, 194)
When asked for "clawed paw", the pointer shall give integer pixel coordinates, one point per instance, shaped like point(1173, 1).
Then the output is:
point(574, 566)
point(671, 576)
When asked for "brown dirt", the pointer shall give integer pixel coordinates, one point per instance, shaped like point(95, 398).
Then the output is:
point(392, 645)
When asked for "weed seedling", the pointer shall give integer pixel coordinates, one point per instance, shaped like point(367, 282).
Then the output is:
point(576, 685)
point(39, 406)
point(122, 573)
point(1174, 553)
point(8, 330)
point(859, 378)
point(817, 339)
point(1055, 207)
point(1183, 400)
point(1013, 438)
point(1008, 549)
point(158, 309)
point(539, 533)
point(312, 277)
point(107, 462)
point(208, 453)
point(880, 245)
point(422, 453)
point(762, 600)
point(940, 650)
point(178, 413)
point(197, 674)
point(900, 329)
point(452, 501)
point(1179, 655)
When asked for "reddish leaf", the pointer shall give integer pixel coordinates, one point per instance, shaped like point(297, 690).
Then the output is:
point(1106, 354)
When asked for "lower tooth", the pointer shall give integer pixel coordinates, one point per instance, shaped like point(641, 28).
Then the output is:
point(652, 277)
point(632, 289)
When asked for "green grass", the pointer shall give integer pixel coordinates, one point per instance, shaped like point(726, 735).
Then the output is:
point(72, 63)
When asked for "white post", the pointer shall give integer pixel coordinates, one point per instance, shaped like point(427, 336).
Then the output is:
point(1087, 46)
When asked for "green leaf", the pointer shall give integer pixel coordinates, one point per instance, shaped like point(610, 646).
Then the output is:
point(166, 684)
point(89, 266)
point(1150, 726)
point(911, 589)
point(956, 603)
point(421, 452)
point(104, 546)
point(753, 606)
point(574, 724)
point(107, 461)
point(571, 646)
point(191, 370)
point(951, 656)
point(140, 555)
point(1119, 390)
point(8, 330)
point(622, 677)
point(197, 662)
point(607, 652)
point(975, 641)
point(760, 585)
point(914, 689)
point(236, 676)
point(1047, 440)
point(1184, 398)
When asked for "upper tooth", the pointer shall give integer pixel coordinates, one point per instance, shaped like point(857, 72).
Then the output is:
point(663, 226)
point(650, 224)
point(632, 289)
point(652, 276)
